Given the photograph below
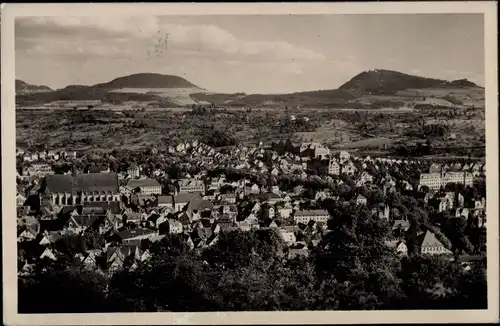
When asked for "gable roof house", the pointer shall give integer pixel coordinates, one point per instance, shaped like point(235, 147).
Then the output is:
point(48, 253)
point(361, 200)
point(403, 225)
point(429, 244)
point(26, 233)
point(181, 201)
point(80, 223)
point(135, 236)
point(145, 186)
point(398, 246)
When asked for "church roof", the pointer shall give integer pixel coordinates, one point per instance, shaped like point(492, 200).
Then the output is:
point(89, 182)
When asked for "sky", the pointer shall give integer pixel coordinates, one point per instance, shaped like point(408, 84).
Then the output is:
point(252, 54)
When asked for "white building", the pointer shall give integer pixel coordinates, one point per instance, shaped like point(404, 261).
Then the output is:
point(344, 156)
point(39, 170)
point(333, 167)
point(146, 186)
point(133, 171)
point(437, 180)
point(304, 216)
point(191, 186)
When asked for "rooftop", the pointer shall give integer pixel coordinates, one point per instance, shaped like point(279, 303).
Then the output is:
point(90, 182)
point(139, 183)
point(314, 212)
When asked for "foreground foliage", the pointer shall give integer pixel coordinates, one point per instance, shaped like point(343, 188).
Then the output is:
point(351, 269)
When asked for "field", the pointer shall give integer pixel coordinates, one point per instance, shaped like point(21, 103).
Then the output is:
point(128, 127)
point(180, 96)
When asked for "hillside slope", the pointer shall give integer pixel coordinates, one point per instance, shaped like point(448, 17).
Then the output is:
point(369, 89)
point(24, 88)
point(147, 80)
point(386, 82)
point(113, 89)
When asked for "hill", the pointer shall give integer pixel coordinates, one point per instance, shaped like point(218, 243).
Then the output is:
point(23, 88)
point(367, 90)
point(115, 90)
point(386, 82)
point(147, 80)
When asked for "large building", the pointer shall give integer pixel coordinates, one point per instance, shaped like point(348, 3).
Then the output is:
point(305, 216)
point(190, 186)
point(76, 189)
point(146, 186)
point(436, 180)
point(39, 170)
point(315, 150)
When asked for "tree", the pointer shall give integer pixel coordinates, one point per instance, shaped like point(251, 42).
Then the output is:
point(62, 284)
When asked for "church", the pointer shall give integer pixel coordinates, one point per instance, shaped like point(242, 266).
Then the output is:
point(80, 188)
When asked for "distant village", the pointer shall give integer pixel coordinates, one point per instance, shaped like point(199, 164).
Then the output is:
point(136, 205)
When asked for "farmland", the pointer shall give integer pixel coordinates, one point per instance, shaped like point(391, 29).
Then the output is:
point(363, 130)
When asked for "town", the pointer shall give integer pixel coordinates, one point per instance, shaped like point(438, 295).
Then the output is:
point(199, 191)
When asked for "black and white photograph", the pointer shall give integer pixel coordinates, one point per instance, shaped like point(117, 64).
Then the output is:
point(250, 162)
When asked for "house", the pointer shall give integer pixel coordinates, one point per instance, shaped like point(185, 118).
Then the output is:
point(361, 200)
point(49, 238)
point(132, 217)
point(252, 220)
point(80, 223)
point(366, 177)
point(268, 212)
point(90, 259)
point(443, 203)
point(429, 244)
point(228, 198)
point(288, 235)
point(199, 206)
point(165, 201)
point(170, 226)
point(320, 195)
point(461, 212)
point(38, 170)
point(276, 190)
point(48, 253)
point(244, 226)
point(254, 189)
point(135, 236)
point(403, 225)
point(382, 211)
point(333, 167)
point(133, 171)
point(271, 198)
point(145, 186)
point(191, 186)
point(344, 156)
point(298, 252)
point(182, 199)
point(460, 200)
point(20, 200)
point(304, 216)
point(26, 233)
point(348, 169)
point(398, 246)
point(435, 168)
point(284, 212)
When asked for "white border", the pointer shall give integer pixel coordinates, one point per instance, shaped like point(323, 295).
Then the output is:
point(10, 11)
